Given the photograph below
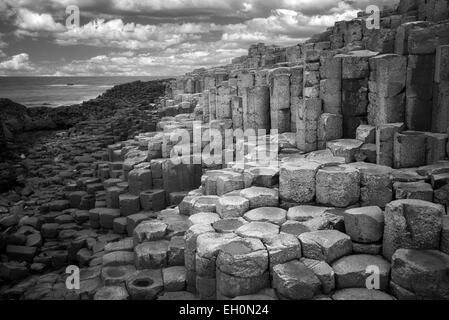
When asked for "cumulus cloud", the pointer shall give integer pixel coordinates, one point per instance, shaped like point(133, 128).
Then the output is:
point(132, 36)
point(17, 63)
point(32, 21)
point(163, 37)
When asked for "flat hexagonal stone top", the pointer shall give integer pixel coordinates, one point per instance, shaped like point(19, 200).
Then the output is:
point(361, 294)
point(204, 218)
point(208, 244)
point(409, 267)
point(267, 214)
point(228, 225)
point(149, 231)
point(259, 230)
point(304, 213)
point(243, 258)
point(111, 293)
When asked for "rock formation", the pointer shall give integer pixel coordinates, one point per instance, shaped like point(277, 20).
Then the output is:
point(343, 196)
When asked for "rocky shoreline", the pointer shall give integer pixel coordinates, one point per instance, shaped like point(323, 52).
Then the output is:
point(349, 201)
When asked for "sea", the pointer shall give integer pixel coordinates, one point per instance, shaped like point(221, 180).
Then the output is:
point(59, 91)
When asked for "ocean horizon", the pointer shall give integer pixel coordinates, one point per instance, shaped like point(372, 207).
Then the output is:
point(52, 91)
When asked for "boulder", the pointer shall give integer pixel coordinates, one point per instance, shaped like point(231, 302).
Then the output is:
point(325, 245)
point(411, 224)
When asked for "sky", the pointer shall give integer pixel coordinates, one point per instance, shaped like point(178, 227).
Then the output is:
point(153, 37)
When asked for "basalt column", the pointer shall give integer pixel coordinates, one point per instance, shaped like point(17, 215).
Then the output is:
point(280, 102)
point(330, 123)
point(296, 84)
point(310, 107)
point(212, 103)
point(387, 84)
point(256, 110)
point(440, 119)
point(355, 76)
point(419, 86)
point(224, 92)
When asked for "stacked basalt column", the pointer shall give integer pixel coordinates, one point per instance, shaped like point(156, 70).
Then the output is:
point(296, 84)
point(330, 123)
point(310, 106)
point(255, 100)
point(224, 94)
point(355, 77)
point(441, 91)
point(279, 81)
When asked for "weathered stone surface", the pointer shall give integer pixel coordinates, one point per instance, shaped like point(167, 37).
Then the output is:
point(295, 281)
point(261, 197)
point(115, 276)
point(231, 286)
point(376, 186)
point(305, 213)
point(422, 272)
point(361, 294)
point(145, 284)
point(282, 248)
point(413, 190)
point(204, 217)
point(259, 230)
point(118, 258)
point(385, 142)
point(174, 278)
point(232, 206)
point(151, 230)
point(297, 181)
point(345, 148)
point(364, 224)
point(352, 271)
point(266, 214)
point(243, 258)
point(323, 271)
point(325, 245)
point(111, 293)
point(409, 149)
point(129, 204)
point(444, 245)
point(208, 247)
point(151, 255)
point(411, 224)
point(338, 186)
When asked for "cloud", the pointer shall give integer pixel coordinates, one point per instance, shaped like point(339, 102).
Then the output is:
point(161, 37)
point(173, 62)
point(17, 63)
point(132, 36)
point(32, 21)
